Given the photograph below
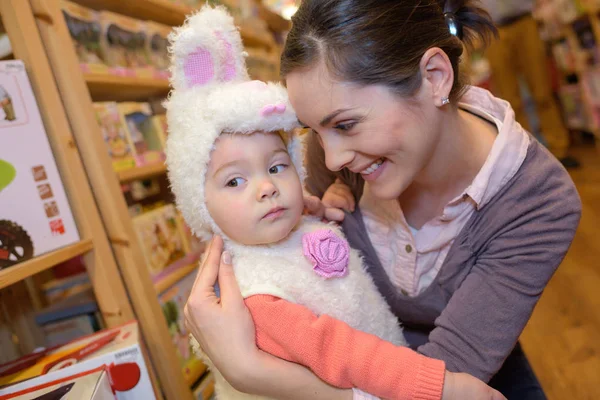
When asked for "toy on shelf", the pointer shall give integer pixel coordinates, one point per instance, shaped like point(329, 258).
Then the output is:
point(573, 107)
point(145, 139)
point(161, 238)
point(84, 28)
point(43, 221)
point(591, 90)
point(115, 135)
point(123, 43)
point(157, 47)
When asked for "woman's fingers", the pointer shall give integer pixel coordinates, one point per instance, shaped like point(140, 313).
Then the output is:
point(231, 296)
point(314, 206)
point(207, 277)
point(334, 214)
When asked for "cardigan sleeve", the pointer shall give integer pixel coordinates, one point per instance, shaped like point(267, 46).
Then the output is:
point(342, 356)
point(485, 316)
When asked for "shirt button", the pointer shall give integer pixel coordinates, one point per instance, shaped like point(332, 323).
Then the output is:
point(408, 248)
point(404, 292)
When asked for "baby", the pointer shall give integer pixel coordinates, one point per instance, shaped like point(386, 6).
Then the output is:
point(236, 170)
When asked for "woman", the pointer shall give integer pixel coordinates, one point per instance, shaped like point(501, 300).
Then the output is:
point(463, 217)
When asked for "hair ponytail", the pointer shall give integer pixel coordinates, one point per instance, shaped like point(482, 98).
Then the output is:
point(474, 21)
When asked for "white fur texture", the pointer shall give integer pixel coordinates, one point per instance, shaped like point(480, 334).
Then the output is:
point(283, 271)
point(197, 115)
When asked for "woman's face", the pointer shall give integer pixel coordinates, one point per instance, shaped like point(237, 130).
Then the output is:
point(368, 129)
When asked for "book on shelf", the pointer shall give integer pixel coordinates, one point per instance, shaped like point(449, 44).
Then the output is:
point(162, 239)
point(173, 302)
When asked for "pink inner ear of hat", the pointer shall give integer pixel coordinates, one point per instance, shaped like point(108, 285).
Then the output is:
point(198, 68)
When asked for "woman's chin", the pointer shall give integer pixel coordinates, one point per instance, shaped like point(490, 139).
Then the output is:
point(390, 190)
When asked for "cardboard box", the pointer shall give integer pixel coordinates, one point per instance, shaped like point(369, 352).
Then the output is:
point(88, 385)
point(118, 348)
point(35, 216)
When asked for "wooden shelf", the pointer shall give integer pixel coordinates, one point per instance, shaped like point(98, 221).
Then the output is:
point(107, 87)
point(144, 172)
point(175, 277)
point(11, 275)
point(162, 11)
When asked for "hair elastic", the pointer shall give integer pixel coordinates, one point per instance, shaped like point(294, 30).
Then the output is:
point(453, 24)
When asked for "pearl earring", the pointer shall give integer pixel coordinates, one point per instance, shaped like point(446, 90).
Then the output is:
point(445, 100)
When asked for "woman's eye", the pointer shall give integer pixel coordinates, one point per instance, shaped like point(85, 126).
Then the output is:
point(277, 169)
point(235, 182)
point(346, 126)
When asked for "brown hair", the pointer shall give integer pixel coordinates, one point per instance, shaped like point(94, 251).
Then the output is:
point(383, 41)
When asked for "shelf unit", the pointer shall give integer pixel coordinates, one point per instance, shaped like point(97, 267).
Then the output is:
point(78, 90)
point(567, 32)
point(107, 87)
point(109, 289)
point(164, 12)
point(104, 274)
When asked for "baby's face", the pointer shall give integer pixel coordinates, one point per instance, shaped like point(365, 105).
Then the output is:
point(253, 191)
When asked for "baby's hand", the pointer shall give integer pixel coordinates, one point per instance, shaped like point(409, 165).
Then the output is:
point(338, 195)
point(314, 206)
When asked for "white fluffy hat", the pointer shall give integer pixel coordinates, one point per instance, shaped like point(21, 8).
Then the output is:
point(211, 94)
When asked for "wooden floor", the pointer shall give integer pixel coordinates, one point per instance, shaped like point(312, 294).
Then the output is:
point(562, 339)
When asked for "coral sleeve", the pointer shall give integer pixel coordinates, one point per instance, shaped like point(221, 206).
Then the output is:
point(342, 356)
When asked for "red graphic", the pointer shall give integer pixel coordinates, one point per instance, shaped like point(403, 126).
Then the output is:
point(124, 376)
point(39, 173)
point(57, 227)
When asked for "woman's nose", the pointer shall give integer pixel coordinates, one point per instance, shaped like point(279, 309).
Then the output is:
point(336, 156)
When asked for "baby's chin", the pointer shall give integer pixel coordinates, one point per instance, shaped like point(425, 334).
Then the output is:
point(271, 235)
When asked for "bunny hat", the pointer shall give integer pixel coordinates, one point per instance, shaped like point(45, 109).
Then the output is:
point(212, 94)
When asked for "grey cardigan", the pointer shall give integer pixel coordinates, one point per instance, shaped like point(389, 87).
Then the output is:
point(474, 311)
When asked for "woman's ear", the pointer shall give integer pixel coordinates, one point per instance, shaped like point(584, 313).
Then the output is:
point(438, 75)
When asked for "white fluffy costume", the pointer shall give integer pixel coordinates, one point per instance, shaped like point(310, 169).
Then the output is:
point(213, 94)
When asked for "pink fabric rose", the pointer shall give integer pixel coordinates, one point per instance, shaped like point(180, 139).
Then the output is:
point(328, 253)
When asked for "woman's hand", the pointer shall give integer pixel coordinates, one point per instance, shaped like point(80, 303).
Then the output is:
point(314, 206)
point(460, 386)
point(338, 195)
point(222, 326)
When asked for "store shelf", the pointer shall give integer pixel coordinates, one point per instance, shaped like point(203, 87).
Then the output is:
point(11, 275)
point(147, 171)
point(175, 277)
point(107, 87)
point(162, 11)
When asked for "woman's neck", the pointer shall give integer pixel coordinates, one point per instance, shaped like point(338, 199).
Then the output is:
point(463, 147)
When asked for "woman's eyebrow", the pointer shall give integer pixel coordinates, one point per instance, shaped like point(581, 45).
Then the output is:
point(325, 121)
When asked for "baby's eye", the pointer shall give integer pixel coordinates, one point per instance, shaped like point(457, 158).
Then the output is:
point(235, 182)
point(277, 169)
